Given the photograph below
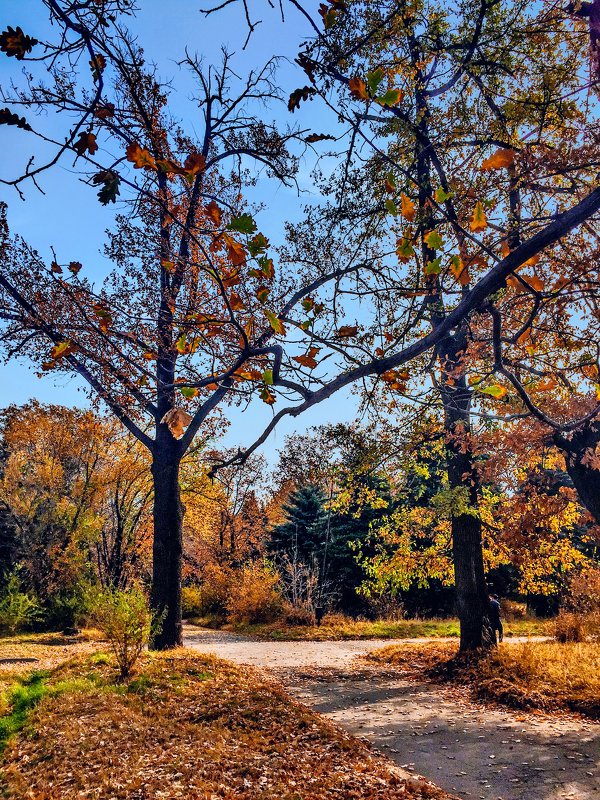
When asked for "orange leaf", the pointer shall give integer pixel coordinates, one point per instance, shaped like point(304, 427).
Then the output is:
point(86, 141)
point(140, 157)
point(194, 163)
point(407, 208)
point(478, 220)
point(347, 331)
point(308, 360)
point(499, 160)
point(177, 421)
point(358, 89)
point(213, 212)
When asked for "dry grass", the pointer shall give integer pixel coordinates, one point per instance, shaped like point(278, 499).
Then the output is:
point(188, 726)
point(21, 653)
point(535, 675)
point(337, 627)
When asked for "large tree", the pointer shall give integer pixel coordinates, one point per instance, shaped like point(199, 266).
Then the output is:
point(192, 314)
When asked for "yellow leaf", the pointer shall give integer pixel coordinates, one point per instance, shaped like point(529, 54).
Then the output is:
point(140, 157)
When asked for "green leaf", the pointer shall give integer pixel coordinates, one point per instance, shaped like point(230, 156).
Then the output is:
point(267, 377)
point(441, 196)
point(374, 79)
point(275, 322)
point(434, 240)
point(434, 267)
point(242, 224)
point(391, 98)
point(391, 207)
point(257, 245)
point(495, 391)
point(188, 392)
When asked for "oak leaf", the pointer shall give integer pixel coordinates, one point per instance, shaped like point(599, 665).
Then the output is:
point(177, 420)
point(15, 43)
point(140, 157)
point(86, 141)
point(407, 208)
point(358, 89)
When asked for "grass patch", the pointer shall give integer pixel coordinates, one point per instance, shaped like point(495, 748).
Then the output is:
point(335, 627)
point(190, 726)
point(542, 676)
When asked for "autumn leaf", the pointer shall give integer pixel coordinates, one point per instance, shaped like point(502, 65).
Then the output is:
point(391, 207)
point(496, 391)
point(407, 208)
point(86, 141)
point(433, 267)
point(262, 294)
point(15, 43)
point(110, 183)
point(75, 267)
point(235, 302)
point(358, 89)
point(441, 195)
point(266, 395)
point(213, 212)
point(390, 183)
point(318, 137)
point(478, 220)
point(298, 95)
point(8, 118)
point(194, 164)
point(235, 251)
point(404, 249)
point(61, 350)
point(275, 322)
point(257, 245)
point(176, 421)
point(459, 270)
point(140, 157)
point(499, 160)
point(107, 111)
point(181, 344)
point(308, 359)
point(189, 392)
point(537, 284)
point(267, 377)
point(346, 331)
point(97, 65)
point(391, 98)
point(434, 240)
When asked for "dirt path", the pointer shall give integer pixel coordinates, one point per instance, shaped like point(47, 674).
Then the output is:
point(473, 752)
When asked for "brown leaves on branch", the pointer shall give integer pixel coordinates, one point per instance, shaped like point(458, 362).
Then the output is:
point(7, 117)
point(308, 359)
point(298, 95)
point(140, 157)
point(15, 43)
point(85, 143)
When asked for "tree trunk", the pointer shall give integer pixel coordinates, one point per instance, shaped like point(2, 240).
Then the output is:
point(467, 547)
point(168, 546)
point(585, 477)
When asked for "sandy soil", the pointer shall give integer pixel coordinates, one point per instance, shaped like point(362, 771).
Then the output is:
point(474, 752)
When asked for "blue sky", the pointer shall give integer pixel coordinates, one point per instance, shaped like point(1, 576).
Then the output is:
point(74, 222)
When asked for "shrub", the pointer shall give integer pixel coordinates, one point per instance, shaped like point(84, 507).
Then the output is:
point(256, 597)
point(569, 627)
point(17, 608)
point(124, 617)
point(299, 615)
point(191, 601)
point(512, 610)
point(216, 589)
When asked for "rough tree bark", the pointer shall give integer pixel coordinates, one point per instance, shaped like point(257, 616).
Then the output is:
point(168, 541)
point(467, 548)
point(585, 477)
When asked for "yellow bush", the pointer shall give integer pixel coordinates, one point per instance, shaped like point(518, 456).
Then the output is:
point(569, 627)
point(256, 595)
point(191, 601)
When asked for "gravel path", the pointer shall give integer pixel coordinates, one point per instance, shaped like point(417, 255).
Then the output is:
point(485, 754)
